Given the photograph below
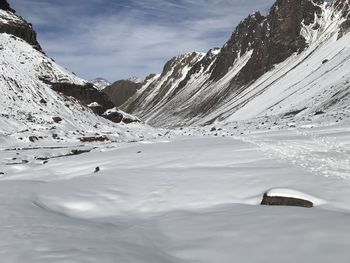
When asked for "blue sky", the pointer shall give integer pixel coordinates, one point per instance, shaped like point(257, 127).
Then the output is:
point(116, 39)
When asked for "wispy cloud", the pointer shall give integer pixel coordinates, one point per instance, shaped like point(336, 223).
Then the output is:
point(119, 38)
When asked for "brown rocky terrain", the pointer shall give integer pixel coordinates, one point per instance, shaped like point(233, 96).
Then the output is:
point(120, 91)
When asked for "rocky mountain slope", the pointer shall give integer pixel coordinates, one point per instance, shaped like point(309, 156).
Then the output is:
point(293, 61)
point(122, 90)
point(38, 94)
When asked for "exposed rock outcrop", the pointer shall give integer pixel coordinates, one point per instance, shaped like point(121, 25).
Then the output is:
point(272, 38)
point(97, 101)
point(4, 5)
point(17, 26)
point(86, 94)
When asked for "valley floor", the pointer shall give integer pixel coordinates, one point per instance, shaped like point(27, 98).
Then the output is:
point(180, 199)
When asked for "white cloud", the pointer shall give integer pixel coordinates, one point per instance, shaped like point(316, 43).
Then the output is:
point(135, 41)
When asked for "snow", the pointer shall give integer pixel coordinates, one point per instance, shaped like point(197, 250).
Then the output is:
point(94, 104)
point(7, 17)
point(136, 79)
point(185, 196)
point(100, 83)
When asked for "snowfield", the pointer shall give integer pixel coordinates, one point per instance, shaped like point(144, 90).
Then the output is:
point(189, 195)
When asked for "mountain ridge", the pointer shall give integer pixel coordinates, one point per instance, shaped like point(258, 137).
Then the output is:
point(257, 46)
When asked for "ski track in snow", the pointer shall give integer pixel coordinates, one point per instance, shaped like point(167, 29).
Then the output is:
point(319, 154)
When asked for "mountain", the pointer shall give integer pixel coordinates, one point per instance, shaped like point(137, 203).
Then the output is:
point(100, 83)
point(293, 60)
point(122, 90)
point(136, 79)
point(38, 94)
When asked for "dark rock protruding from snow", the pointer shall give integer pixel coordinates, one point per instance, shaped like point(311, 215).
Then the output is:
point(285, 201)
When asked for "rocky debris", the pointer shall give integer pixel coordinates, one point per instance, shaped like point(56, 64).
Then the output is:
point(285, 201)
point(33, 138)
point(119, 116)
point(57, 119)
point(42, 101)
point(18, 27)
point(94, 139)
point(122, 90)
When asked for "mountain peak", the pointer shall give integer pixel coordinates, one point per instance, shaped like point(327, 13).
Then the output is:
point(100, 83)
point(135, 79)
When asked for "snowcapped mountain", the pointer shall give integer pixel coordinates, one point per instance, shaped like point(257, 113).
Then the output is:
point(294, 61)
point(135, 79)
point(38, 94)
point(100, 83)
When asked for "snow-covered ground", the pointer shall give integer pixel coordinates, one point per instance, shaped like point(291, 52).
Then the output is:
point(190, 195)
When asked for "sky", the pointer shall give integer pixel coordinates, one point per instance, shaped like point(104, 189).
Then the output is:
point(117, 39)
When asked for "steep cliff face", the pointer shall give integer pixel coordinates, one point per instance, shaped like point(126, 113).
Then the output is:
point(272, 39)
point(261, 47)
